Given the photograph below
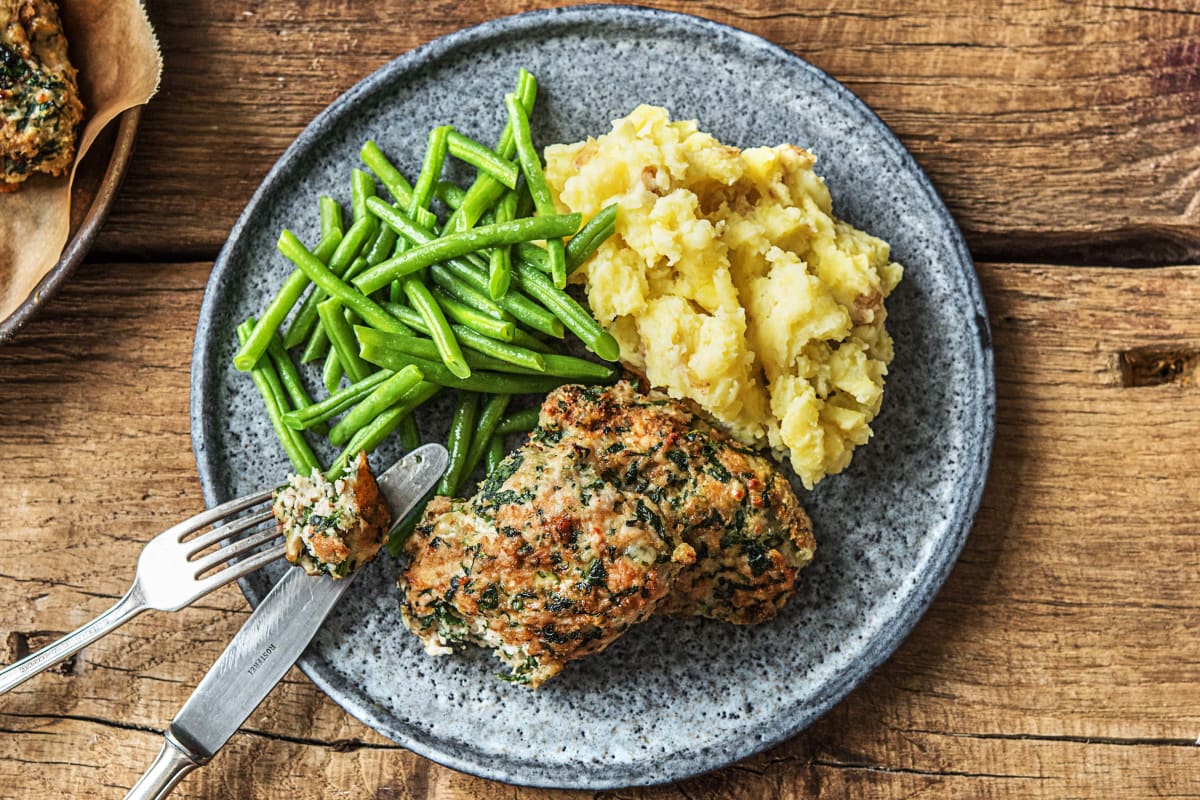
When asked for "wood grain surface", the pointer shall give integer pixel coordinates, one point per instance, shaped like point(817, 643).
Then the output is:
point(1059, 661)
point(1062, 658)
point(1055, 130)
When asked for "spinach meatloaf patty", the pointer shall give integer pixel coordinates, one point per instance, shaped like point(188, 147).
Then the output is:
point(332, 527)
point(620, 505)
point(40, 110)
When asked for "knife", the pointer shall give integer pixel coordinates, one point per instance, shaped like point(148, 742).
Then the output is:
point(270, 642)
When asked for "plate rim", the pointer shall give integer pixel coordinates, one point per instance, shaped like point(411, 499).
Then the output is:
point(942, 558)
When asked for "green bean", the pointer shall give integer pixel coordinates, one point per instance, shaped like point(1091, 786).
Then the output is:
point(486, 190)
point(362, 305)
point(409, 230)
point(535, 255)
point(268, 384)
point(451, 194)
point(495, 453)
point(439, 330)
point(362, 186)
point(579, 369)
point(501, 351)
point(515, 303)
point(520, 306)
point(332, 371)
point(317, 345)
point(458, 312)
point(381, 247)
point(474, 205)
point(331, 216)
point(353, 244)
point(601, 226)
point(418, 347)
point(489, 418)
point(480, 380)
point(304, 320)
point(457, 244)
point(535, 179)
point(501, 329)
point(336, 403)
point(527, 88)
point(520, 422)
point(500, 259)
point(355, 268)
point(410, 437)
point(396, 288)
point(289, 376)
point(524, 201)
point(339, 263)
point(573, 315)
point(275, 312)
point(431, 170)
point(379, 400)
point(342, 338)
point(370, 436)
point(482, 354)
point(483, 159)
point(459, 441)
point(466, 294)
point(396, 185)
point(530, 342)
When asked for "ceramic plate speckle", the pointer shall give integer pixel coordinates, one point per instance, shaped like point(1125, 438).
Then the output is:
point(672, 698)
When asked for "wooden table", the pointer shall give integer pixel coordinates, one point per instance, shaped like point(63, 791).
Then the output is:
point(1062, 658)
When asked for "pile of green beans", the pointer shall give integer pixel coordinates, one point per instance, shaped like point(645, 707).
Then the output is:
point(429, 286)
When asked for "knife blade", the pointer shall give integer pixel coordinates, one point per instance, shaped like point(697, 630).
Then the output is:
point(270, 641)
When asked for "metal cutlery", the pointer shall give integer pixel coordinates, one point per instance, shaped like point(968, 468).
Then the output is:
point(172, 572)
point(269, 643)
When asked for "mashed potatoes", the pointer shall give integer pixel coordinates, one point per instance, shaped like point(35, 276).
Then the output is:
point(730, 282)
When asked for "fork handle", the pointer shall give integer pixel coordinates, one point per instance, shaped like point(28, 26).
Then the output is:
point(18, 672)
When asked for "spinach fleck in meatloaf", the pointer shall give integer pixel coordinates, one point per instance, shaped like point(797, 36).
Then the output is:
point(332, 527)
point(40, 110)
point(621, 505)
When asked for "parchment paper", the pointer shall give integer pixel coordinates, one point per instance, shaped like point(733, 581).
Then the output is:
point(113, 47)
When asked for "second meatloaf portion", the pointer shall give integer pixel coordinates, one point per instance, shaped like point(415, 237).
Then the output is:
point(620, 505)
point(40, 110)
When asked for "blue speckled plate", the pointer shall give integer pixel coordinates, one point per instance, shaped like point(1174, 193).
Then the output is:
point(672, 698)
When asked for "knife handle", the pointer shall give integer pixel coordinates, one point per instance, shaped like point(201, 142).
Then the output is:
point(167, 770)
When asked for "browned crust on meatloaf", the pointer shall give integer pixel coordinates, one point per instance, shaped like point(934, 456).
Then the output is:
point(620, 505)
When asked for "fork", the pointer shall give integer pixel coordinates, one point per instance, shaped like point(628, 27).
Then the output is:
point(171, 574)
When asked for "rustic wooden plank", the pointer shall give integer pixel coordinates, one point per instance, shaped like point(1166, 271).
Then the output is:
point(1050, 128)
point(1059, 661)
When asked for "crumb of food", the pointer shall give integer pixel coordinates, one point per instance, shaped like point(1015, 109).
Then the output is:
point(615, 509)
point(40, 110)
point(332, 527)
point(730, 282)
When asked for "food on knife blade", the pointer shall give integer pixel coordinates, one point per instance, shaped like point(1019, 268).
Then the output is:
point(332, 527)
point(619, 506)
point(730, 282)
point(40, 110)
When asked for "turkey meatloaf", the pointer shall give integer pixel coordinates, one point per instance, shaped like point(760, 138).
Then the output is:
point(619, 506)
point(40, 110)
